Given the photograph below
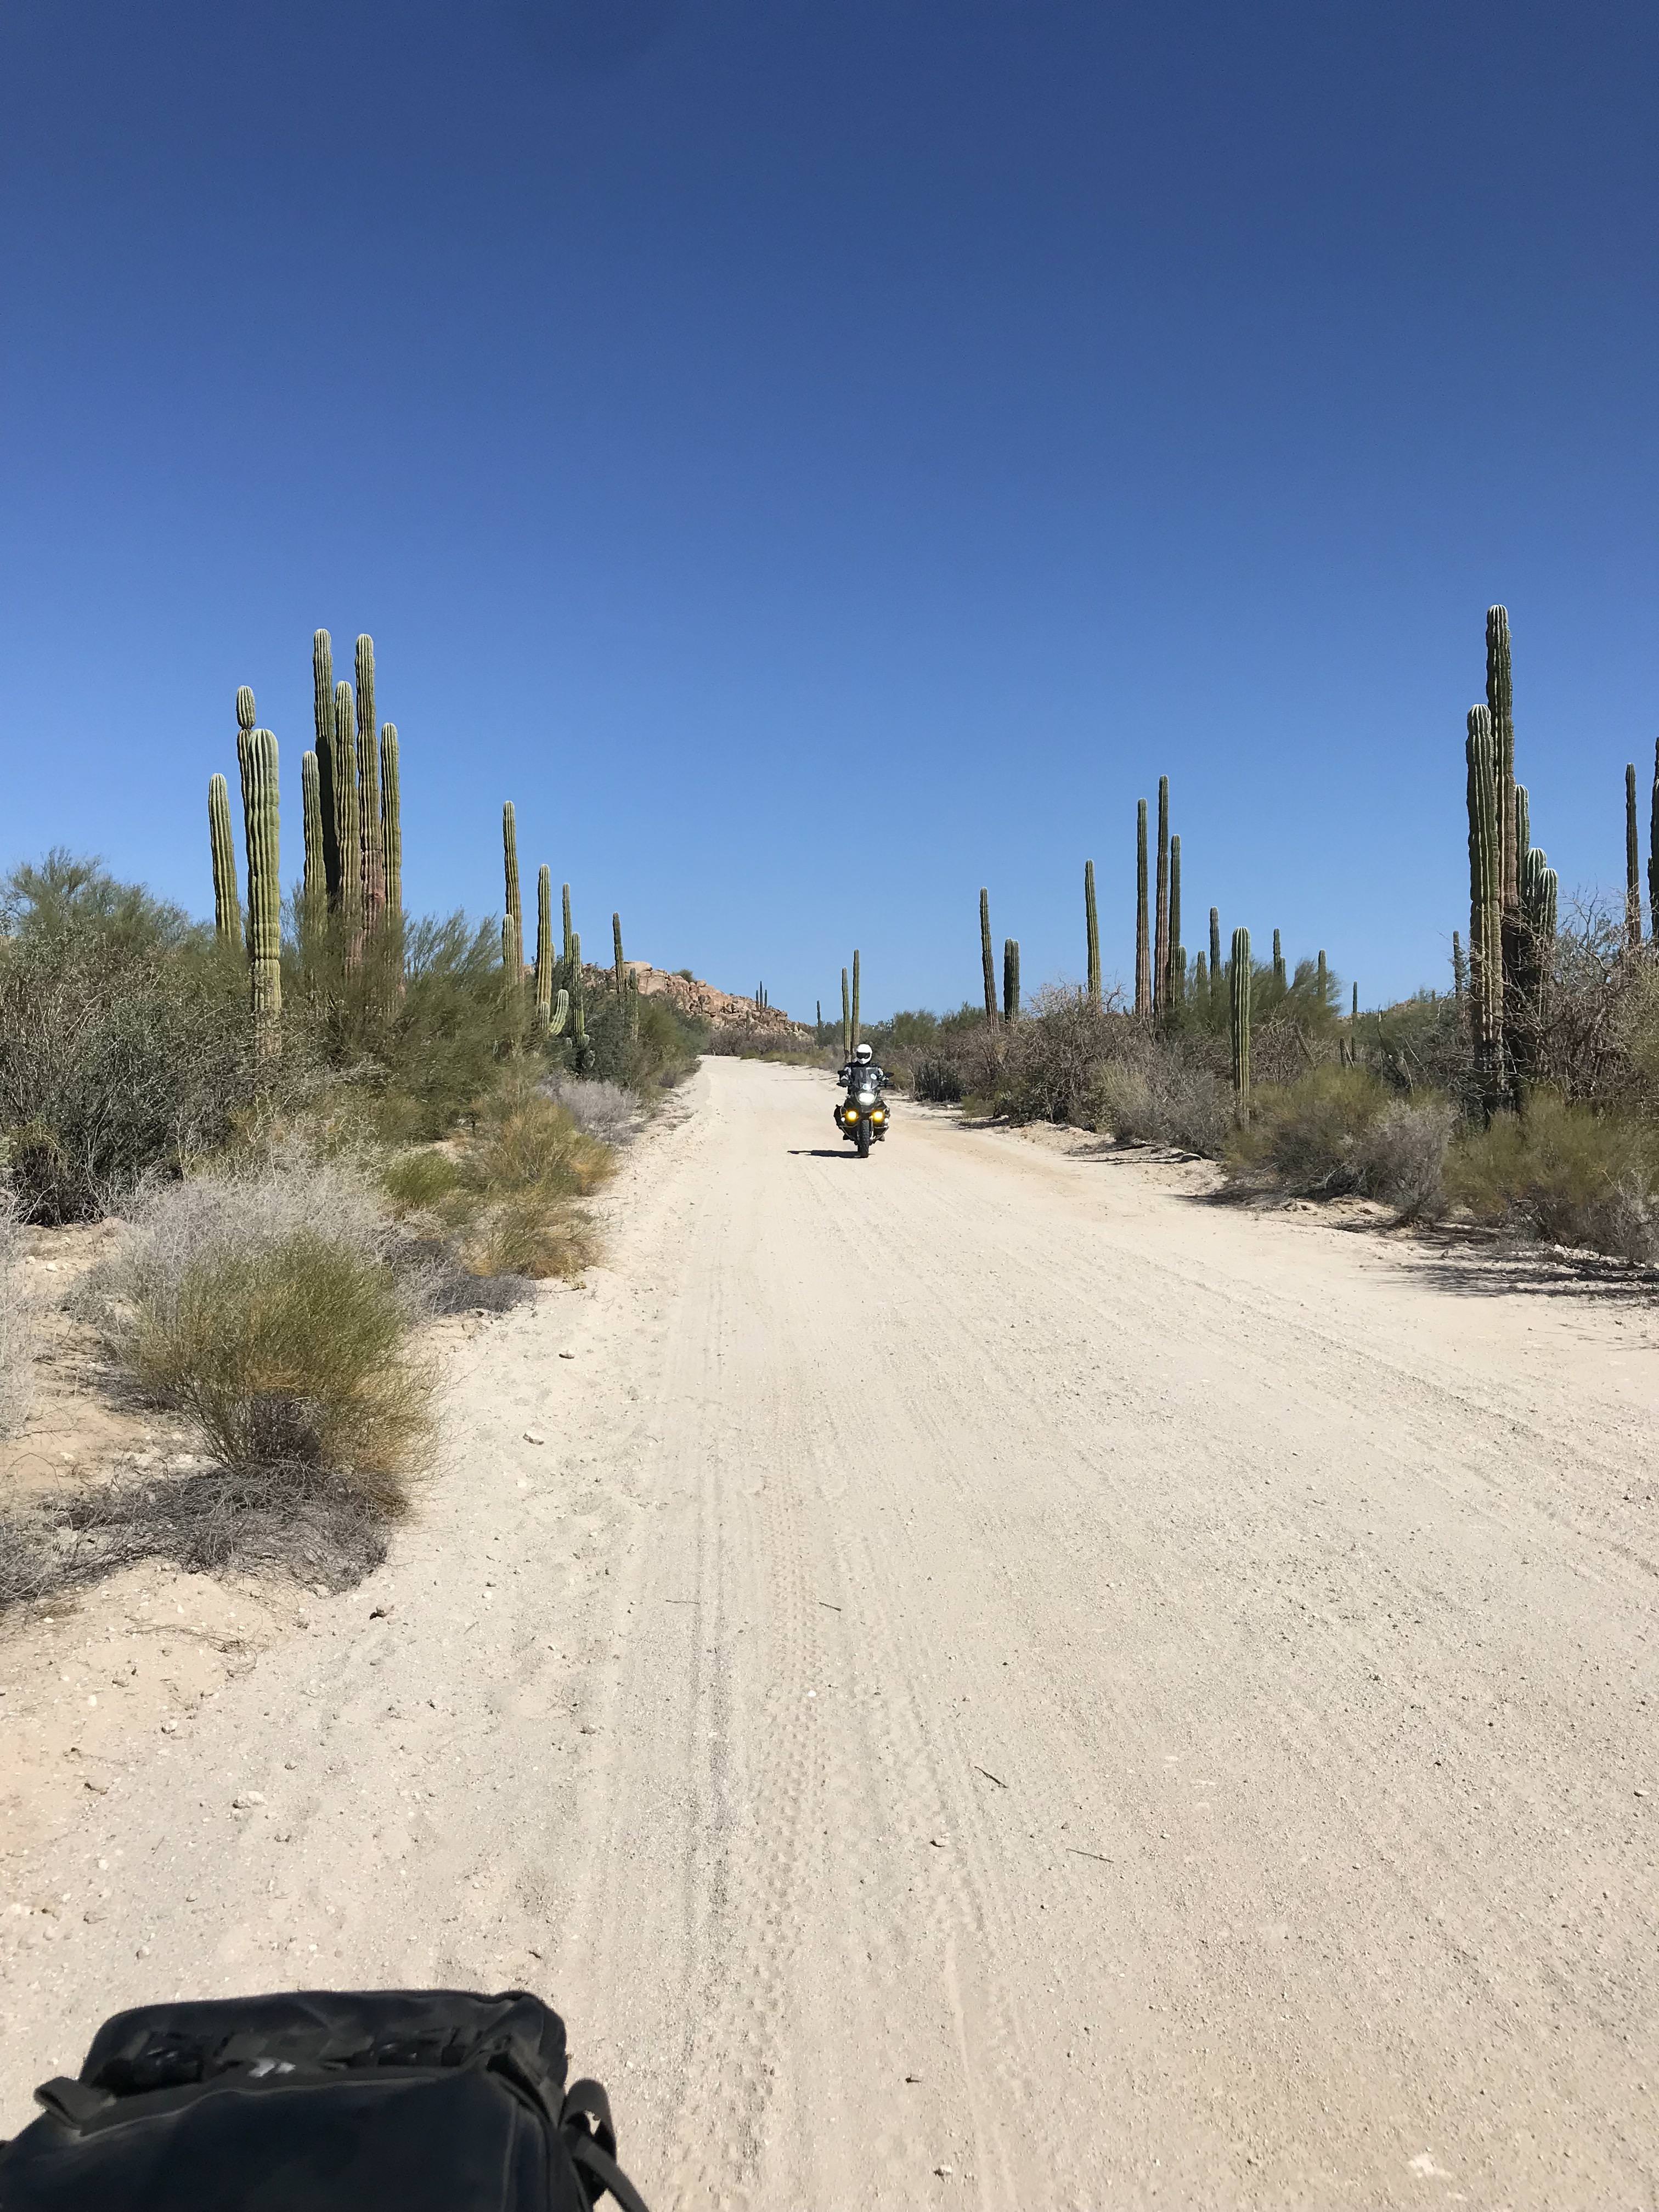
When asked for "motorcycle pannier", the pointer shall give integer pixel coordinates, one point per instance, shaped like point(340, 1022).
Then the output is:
point(397, 2100)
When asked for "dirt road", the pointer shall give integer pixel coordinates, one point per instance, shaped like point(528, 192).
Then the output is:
point(1004, 1684)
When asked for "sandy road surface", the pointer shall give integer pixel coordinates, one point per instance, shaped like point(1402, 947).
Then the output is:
point(1297, 1588)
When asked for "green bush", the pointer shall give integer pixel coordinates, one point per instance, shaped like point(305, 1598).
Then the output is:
point(126, 1044)
point(1565, 1173)
point(1341, 1130)
point(646, 1044)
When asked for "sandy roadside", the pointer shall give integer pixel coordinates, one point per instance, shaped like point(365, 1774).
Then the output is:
point(1004, 1682)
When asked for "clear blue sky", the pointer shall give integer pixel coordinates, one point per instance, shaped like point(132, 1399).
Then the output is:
point(819, 456)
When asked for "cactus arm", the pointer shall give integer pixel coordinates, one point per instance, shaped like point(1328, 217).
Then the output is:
point(347, 834)
point(314, 890)
point(544, 946)
point(1143, 949)
point(257, 754)
point(1239, 1022)
point(227, 907)
point(371, 845)
point(322, 677)
point(559, 1014)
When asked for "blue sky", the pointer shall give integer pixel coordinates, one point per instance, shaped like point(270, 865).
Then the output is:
point(817, 459)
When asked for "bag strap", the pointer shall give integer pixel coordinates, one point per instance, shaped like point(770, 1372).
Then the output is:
point(590, 2137)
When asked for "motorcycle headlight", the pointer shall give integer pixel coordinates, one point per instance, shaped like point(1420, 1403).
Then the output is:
point(879, 1115)
point(850, 1115)
point(866, 1098)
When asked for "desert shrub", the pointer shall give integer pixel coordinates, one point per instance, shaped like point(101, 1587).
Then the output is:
point(1564, 1172)
point(270, 1311)
point(526, 1236)
point(125, 1045)
point(1309, 1135)
point(645, 1045)
point(420, 1182)
point(1166, 1093)
point(937, 1078)
point(1050, 1057)
point(16, 1324)
point(290, 1357)
point(599, 1108)
point(1402, 1154)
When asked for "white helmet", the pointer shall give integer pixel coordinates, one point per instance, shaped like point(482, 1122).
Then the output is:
point(863, 1054)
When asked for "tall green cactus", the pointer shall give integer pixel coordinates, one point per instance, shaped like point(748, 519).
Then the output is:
point(1009, 978)
point(227, 905)
point(1322, 982)
point(322, 677)
point(1216, 970)
point(1092, 918)
point(1539, 891)
point(314, 892)
point(1239, 1022)
point(1460, 969)
point(1500, 708)
point(1632, 862)
point(569, 933)
point(988, 970)
point(1486, 909)
point(1161, 912)
point(371, 849)
point(391, 823)
point(545, 946)
point(1279, 979)
point(1523, 827)
point(513, 957)
point(846, 1021)
point(1177, 951)
point(1143, 947)
point(855, 998)
point(256, 752)
point(1201, 983)
point(578, 998)
point(618, 971)
point(348, 834)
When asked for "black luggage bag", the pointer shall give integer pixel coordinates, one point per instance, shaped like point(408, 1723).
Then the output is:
point(394, 2100)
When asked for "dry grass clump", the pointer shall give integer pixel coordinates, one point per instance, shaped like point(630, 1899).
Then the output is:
point(1565, 1173)
point(599, 1108)
point(265, 1309)
point(16, 1323)
point(509, 1191)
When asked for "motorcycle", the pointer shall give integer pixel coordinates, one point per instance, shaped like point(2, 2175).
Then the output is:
point(862, 1116)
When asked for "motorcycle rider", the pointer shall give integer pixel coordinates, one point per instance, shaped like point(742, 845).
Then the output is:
point(861, 1073)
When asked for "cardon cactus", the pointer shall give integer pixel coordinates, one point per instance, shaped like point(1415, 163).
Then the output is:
point(578, 998)
point(1142, 948)
point(256, 752)
point(1460, 969)
point(1500, 709)
point(1522, 828)
point(322, 676)
point(855, 998)
point(1539, 892)
point(559, 1014)
point(1092, 920)
point(1322, 982)
point(1161, 912)
point(1200, 981)
point(1177, 951)
point(227, 905)
point(513, 958)
point(348, 836)
point(544, 946)
point(314, 894)
point(1009, 978)
point(1239, 1021)
point(1485, 908)
point(569, 933)
point(392, 821)
point(1633, 861)
point(1278, 962)
point(988, 968)
point(1216, 970)
point(371, 847)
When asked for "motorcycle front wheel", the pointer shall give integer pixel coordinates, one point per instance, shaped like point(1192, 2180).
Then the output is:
point(863, 1138)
